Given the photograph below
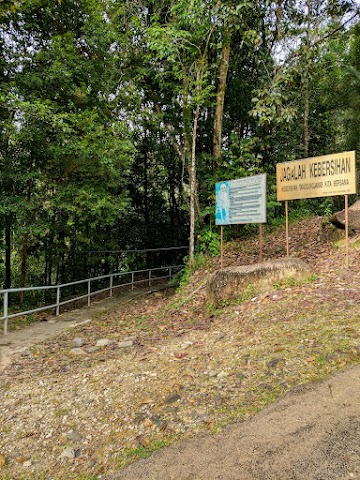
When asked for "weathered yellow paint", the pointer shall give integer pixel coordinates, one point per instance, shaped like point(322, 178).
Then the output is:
point(324, 176)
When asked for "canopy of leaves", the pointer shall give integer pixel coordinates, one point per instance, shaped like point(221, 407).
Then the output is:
point(97, 108)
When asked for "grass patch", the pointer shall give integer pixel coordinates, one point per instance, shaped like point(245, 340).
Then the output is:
point(131, 454)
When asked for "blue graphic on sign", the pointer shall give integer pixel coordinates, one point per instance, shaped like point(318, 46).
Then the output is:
point(241, 201)
point(222, 192)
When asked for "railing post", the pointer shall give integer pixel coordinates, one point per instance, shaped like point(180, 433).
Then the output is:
point(111, 285)
point(170, 273)
point(149, 278)
point(132, 280)
point(58, 300)
point(6, 305)
point(89, 291)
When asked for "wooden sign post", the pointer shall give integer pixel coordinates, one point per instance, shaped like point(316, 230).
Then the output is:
point(287, 226)
point(260, 243)
point(347, 230)
point(221, 246)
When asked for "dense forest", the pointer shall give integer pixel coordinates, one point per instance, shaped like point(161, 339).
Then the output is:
point(118, 117)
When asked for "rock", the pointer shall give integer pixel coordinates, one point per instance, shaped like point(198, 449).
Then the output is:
point(73, 436)
point(201, 416)
point(273, 363)
point(129, 339)
point(77, 351)
point(78, 342)
point(159, 422)
point(233, 282)
point(173, 397)
point(104, 342)
point(142, 441)
point(28, 463)
point(126, 343)
point(92, 349)
point(68, 454)
point(148, 423)
point(338, 218)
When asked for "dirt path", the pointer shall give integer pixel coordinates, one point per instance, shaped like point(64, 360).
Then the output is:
point(310, 434)
point(19, 341)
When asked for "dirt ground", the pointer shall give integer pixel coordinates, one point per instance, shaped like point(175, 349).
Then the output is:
point(313, 433)
point(235, 392)
point(17, 342)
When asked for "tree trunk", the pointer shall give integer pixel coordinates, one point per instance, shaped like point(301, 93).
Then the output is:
point(220, 96)
point(24, 257)
point(149, 236)
point(307, 83)
point(24, 253)
point(193, 183)
point(306, 114)
point(7, 283)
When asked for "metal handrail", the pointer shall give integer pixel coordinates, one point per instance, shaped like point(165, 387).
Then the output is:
point(171, 270)
point(143, 250)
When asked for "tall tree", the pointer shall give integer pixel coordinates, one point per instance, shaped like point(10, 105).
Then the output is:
point(74, 149)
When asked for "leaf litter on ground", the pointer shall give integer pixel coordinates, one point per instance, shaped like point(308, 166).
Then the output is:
point(189, 368)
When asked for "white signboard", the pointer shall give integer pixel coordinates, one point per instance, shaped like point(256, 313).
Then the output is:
point(241, 201)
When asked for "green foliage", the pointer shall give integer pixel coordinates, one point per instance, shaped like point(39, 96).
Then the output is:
point(292, 282)
point(311, 278)
point(248, 293)
point(273, 207)
point(200, 261)
point(98, 102)
point(145, 452)
point(209, 242)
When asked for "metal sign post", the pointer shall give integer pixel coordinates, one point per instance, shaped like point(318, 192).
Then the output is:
point(260, 243)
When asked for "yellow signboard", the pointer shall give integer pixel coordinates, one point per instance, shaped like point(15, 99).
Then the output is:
point(324, 176)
